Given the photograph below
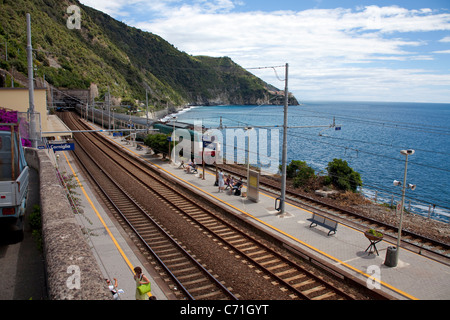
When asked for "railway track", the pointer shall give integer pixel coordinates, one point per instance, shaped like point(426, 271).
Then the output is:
point(431, 248)
point(296, 281)
point(190, 278)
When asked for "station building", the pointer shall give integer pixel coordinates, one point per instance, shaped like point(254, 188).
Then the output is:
point(17, 99)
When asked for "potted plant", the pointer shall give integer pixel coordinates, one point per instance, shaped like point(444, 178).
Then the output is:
point(373, 234)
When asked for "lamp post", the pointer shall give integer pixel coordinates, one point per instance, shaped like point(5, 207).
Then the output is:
point(248, 129)
point(174, 119)
point(114, 122)
point(406, 153)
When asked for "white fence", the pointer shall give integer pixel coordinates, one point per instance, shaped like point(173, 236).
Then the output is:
point(428, 210)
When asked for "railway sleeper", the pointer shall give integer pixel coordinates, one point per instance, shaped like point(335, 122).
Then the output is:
point(296, 280)
point(175, 260)
point(152, 234)
point(325, 296)
point(212, 225)
point(312, 290)
point(178, 265)
point(161, 247)
point(250, 254)
point(186, 270)
point(266, 256)
point(204, 220)
point(210, 296)
point(167, 254)
point(190, 276)
point(139, 223)
point(305, 283)
point(195, 282)
point(286, 272)
point(233, 237)
point(248, 249)
point(225, 233)
point(208, 287)
point(278, 266)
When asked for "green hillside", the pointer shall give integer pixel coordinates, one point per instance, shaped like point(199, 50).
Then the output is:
point(107, 53)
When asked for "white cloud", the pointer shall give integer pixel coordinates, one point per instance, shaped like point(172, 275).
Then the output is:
point(111, 7)
point(322, 46)
point(442, 51)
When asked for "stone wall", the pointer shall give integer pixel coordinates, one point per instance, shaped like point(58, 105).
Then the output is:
point(72, 270)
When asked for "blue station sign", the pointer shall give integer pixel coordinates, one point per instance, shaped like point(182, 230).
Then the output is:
point(60, 147)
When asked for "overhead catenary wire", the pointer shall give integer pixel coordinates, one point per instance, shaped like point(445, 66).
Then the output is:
point(382, 124)
point(372, 154)
point(358, 150)
point(387, 123)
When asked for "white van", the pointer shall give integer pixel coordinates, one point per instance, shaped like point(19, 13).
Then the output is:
point(14, 176)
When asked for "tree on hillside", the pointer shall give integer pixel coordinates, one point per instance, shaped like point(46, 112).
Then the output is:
point(342, 176)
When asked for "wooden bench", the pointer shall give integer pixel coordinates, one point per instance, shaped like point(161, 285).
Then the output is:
point(329, 224)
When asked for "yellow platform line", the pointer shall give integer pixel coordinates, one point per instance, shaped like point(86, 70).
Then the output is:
point(119, 248)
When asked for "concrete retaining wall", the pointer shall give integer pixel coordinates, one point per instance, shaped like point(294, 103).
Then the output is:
point(72, 270)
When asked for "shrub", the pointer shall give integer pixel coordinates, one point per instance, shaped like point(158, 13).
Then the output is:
point(343, 176)
point(34, 218)
point(159, 143)
point(300, 172)
point(35, 221)
point(303, 176)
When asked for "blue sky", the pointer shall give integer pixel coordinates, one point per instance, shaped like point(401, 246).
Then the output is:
point(336, 50)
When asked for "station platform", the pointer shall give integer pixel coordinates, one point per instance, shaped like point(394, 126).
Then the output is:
point(414, 278)
point(115, 253)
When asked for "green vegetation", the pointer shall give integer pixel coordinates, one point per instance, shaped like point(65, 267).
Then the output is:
point(300, 173)
point(35, 222)
point(108, 53)
point(375, 233)
point(342, 176)
point(159, 143)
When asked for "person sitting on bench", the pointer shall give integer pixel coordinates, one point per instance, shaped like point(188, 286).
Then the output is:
point(229, 182)
point(237, 187)
point(189, 167)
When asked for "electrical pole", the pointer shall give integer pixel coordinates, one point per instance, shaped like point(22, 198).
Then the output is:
point(109, 111)
point(284, 155)
point(31, 114)
point(146, 102)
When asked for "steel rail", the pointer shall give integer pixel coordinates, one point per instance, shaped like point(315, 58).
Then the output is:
point(130, 224)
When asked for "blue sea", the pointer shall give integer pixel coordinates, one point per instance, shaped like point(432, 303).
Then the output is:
point(370, 138)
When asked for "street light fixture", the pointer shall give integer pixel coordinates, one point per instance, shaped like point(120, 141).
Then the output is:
point(406, 153)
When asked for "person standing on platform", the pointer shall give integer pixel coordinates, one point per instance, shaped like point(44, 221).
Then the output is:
point(140, 279)
point(221, 181)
